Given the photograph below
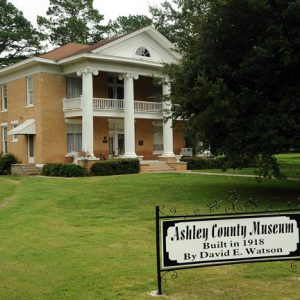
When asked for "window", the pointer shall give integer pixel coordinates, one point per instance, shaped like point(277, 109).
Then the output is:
point(74, 137)
point(14, 136)
point(29, 91)
point(4, 139)
point(4, 97)
point(115, 87)
point(158, 138)
point(142, 51)
point(74, 87)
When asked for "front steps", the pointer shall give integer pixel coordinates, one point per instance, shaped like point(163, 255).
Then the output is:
point(25, 170)
point(155, 166)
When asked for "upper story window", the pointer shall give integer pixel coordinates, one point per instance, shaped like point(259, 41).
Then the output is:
point(115, 87)
point(74, 87)
point(29, 91)
point(142, 51)
point(4, 97)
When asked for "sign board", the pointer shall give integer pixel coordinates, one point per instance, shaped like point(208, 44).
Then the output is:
point(226, 240)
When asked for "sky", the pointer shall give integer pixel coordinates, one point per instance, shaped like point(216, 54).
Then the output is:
point(111, 9)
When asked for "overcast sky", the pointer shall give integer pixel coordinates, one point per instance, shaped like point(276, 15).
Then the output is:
point(111, 9)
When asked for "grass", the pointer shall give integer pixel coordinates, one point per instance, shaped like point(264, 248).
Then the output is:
point(94, 238)
point(289, 165)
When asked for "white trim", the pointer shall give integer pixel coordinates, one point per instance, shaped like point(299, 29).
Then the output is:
point(27, 127)
point(29, 91)
point(14, 122)
point(3, 124)
point(73, 121)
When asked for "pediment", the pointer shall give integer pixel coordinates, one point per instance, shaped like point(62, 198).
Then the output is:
point(159, 48)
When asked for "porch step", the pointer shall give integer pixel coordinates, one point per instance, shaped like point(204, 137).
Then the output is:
point(160, 166)
point(25, 170)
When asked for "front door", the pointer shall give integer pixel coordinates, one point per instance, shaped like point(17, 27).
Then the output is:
point(121, 144)
point(30, 149)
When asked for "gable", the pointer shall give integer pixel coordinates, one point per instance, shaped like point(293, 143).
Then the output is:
point(127, 48)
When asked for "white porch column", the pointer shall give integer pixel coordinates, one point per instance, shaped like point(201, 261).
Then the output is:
point(129, 130)
point(87, 110)
point(167, 125)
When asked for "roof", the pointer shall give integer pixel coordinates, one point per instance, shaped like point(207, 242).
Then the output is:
point(28, 127)
point(74, 49)
point(65, 51)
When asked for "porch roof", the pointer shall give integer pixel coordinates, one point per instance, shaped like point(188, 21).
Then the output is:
point(28, 127)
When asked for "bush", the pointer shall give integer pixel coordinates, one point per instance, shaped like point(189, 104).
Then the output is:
point(221, 162)
point(6, 161)
point(116, 167)
point(64, 170)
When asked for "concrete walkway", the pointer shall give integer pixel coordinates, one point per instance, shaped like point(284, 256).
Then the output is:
point(233, 175)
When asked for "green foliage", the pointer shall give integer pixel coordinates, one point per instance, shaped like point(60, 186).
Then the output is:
point(268, 167)
point(63, 170)
point(238, 81)
point(6, 161)
point(75, 21)
point(202, 163)
point(18, 38)
point(127, 24)
point(116, 167)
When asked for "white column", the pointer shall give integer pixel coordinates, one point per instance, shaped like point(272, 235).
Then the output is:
point(167, 125)
point(87, 110)
point(129, 130)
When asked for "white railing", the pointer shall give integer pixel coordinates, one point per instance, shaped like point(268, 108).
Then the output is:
point(104, 104)
point(71, 104)
point(108, 104)
point(143, 106)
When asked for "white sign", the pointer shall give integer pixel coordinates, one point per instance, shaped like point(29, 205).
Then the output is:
point(228, 240)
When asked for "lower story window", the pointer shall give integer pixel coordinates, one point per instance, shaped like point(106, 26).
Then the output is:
point(4, 139)
point(158, 138)
point(74, 137)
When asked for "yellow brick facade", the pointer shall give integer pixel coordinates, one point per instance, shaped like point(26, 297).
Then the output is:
point(50, 141)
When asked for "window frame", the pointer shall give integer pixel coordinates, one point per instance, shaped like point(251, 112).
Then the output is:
point(4, 140)
point(79, 137)
point(14, 138)
point(29, 90)
point(4, 97)
point(115, 85)
point(143, 54)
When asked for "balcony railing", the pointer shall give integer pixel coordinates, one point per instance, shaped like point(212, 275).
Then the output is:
point(72, 103)
point(104, 104)
point(108, 104)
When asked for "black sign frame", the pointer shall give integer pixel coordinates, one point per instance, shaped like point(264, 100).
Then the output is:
point(163, 222)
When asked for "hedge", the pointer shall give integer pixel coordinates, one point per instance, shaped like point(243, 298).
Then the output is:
point(63, 170)
point(202, 163)
point(116, 167)
point(6, 161)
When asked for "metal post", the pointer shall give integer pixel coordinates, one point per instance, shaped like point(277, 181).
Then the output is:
point(159, 291)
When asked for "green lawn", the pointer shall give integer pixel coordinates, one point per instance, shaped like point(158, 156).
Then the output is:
point(289, 165)
point(94, 238)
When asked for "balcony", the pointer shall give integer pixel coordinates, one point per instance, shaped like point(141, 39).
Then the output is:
point(104, 107)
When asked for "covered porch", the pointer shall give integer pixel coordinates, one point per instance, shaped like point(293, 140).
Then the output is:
point(119, 111)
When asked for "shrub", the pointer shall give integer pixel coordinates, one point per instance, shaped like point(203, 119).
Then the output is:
point(221, 162)
point(116, 167)
point(6, 161)
point(63, 170)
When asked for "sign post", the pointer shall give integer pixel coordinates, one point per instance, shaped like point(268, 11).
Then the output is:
point(193, 241)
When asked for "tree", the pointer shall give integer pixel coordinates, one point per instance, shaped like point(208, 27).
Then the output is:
point(74, 21)
point(238, 81)
point(18, 38)
point(127, 24)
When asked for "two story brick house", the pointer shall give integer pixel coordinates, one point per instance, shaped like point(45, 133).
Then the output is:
point(99, 99)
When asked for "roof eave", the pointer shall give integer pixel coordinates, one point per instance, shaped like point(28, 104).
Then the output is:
point(29, 62)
